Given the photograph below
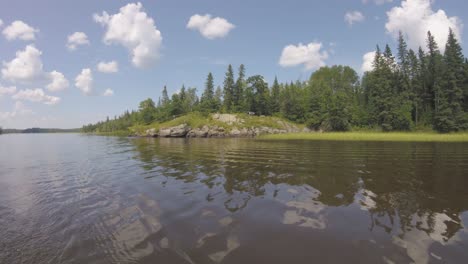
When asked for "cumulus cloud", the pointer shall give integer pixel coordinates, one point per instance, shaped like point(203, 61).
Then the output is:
point(19, 30)
point(377, 2)
point(58, 82)
point(84, 81)
point(36, 95)
point(209, 27)
point(19, 109)
point(26, 67)
point(7, 90)
point(311, 55)
point(77, 39)
point(415, 17)
point(352, 17)
point(108, 92)
point(135, 30)
point(368, 61)
point(1, 23)
point(108, 67)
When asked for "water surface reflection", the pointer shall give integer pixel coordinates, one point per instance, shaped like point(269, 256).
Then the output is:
point(118, 200)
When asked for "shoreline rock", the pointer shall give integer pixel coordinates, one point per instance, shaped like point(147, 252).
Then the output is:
point(185, 131)
point(219, 131)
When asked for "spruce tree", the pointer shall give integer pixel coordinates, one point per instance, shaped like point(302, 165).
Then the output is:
point(434, 73)
point(229, 90)
point(208, 104)
point(450, 114)
point(218, 98)
point(165, 97)
point(239, 90)
point(275, 97)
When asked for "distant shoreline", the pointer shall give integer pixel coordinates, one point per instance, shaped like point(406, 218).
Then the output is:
point(39, 130)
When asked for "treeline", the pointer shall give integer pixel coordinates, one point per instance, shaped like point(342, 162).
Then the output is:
point(38, 130)
point(414, 89)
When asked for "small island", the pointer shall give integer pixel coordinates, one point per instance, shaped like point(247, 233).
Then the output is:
point(419, 93)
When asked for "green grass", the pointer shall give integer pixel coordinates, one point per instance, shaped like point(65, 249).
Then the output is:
point(119, 133)
point(373, 136)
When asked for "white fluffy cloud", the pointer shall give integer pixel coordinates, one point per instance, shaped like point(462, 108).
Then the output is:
point(18, 110)
point(352, 17)
point(84, 81)
point(36, 95)
point(77, 39)
point(1, 22)
point(108, 92)
point(209, 27)
point(108, 67)
point(368, 61)
point(415, 17)
point(7, 90)
point(377, 2)
point(311, 55)
point(26, 67)
point(58, 82)
point(135, 30)
point(19, 30)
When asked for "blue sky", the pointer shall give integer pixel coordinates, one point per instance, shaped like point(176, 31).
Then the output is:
point(288, 39)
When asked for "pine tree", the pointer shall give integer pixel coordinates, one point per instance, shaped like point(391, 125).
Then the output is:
point(415, 86)
point(239, 89)
point(434, 73)
point(228, 90)
point(165, 97)
point(450, 114)
point(425, 94)
point(207, 101)
point(403, 55)
point(465, 88)
point(275, 97)
point(218, 98)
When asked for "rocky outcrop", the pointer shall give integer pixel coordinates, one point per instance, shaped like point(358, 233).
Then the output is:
point(218, 131)
point(215, 132)
point(180, 131)
point(198, 132)
point(151, 132)
point(177, 131)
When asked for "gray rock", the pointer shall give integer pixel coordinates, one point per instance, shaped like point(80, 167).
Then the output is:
point(151, 132)
point(179, 131)
point(235, 132)
point(216, 131)
point(164, 132)
point(197, 133)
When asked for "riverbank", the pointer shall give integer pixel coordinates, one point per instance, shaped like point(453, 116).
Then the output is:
point(372, 136)
point(196, 125)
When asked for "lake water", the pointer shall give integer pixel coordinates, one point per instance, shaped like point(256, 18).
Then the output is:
point(70, 198)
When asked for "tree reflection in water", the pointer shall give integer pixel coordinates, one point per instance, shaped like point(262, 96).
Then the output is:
point(402, 186)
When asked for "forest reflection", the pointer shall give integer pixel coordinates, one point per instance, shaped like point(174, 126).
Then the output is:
point(402, 186)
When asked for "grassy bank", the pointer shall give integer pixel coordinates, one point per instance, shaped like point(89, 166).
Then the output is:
point(373, 136)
